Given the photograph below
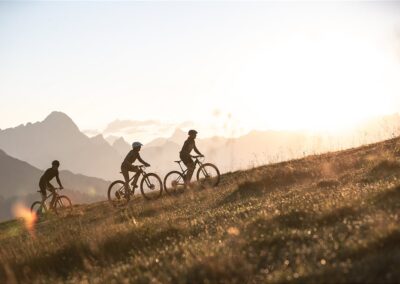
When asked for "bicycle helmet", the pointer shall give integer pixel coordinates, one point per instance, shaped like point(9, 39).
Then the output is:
point(192, 131)
point(136, 144)
point(55, 163)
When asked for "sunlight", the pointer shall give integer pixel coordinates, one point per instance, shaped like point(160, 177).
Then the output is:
point(21, 211)
point(327, 83)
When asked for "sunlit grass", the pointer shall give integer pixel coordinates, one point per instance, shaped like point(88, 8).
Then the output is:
point(330, 218)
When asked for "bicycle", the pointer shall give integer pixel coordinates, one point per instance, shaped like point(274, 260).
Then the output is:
point(208, 176)
point(53, 202)
point(150, 186)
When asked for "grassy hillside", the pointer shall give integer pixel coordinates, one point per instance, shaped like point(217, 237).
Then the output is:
point(333, 218)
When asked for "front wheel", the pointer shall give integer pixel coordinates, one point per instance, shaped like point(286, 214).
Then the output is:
point(63, 205)
point(117, 194)
point(38, 208)
point(208, 175)
point(151, 186)
point(174, 182)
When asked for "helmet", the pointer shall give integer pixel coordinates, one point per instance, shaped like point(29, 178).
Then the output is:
point(55, 163)
point(192, 131)
point(136, 144)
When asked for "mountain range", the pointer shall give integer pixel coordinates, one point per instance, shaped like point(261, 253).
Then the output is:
point(58, 137)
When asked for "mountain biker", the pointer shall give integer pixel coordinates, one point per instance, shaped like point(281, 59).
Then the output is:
point(49, 174)
point(127, 166)
point(185, 156)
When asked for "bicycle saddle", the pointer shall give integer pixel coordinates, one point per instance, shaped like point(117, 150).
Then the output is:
point(177, 161)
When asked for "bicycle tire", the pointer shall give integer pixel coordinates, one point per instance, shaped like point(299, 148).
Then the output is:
point(120, 197)
point(63, 204)
point(36, 206)
point(148, 192)
point(205, 181)
point(177, 183)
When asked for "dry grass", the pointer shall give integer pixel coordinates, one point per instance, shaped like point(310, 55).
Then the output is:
point(322, 219)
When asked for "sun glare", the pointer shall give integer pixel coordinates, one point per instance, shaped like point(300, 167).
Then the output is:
point(21, 211)
point(323, 83)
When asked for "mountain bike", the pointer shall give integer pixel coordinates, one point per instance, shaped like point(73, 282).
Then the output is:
point(150, 186)
point(53, 202)
point(207, 175)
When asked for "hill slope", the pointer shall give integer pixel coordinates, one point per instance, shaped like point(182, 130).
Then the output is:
point(330, 218)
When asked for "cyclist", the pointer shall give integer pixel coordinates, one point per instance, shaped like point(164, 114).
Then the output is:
point(185, 156)
point(127, 166)
point(49, 174)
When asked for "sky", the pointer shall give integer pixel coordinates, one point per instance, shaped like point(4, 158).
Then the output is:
point(224, 67)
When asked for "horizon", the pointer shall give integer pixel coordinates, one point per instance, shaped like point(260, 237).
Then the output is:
point(290, 66)
point(384, 121)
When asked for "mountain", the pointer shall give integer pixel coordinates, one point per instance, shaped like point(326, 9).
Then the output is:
point(19, 181)
point(121, 146)
point(58, 137)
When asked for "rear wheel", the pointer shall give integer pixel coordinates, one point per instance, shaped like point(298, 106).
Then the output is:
point(117, 195)
point(174, 182)
point(208, 175)
point(63, 205)
point(151, 186)
point(38, 208)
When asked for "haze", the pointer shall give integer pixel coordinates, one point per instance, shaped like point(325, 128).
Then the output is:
point(283, 66)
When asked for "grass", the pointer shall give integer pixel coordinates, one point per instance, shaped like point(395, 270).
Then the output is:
point(332, 218)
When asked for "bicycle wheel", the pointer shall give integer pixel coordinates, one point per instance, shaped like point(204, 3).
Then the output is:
point(208, 175)
point(174, 182)
point(63, 205)
point(151, 186)
point(38, 208)
point(116, 194)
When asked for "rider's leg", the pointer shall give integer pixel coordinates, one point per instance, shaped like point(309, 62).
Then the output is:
point(50, 188)
point(43, 192)
point(125, 173)
point(137, 172)
point(187, 160)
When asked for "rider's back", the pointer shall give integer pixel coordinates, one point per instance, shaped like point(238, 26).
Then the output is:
point(188, 146)
point(49, 174)
point(131, 157)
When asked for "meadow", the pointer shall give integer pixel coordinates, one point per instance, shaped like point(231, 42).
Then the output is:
point(331, 218)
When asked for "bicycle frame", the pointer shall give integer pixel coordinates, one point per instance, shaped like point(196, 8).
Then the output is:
point(52, 196)
point(196, 162)
point(142, 173)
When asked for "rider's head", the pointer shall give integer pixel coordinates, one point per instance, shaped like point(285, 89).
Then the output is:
point(192, 133)
point(55, 164)
point(136, 146)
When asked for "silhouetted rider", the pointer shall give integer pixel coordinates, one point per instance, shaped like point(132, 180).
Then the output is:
point(185, 156)
point(49, 174)
point(127, 166)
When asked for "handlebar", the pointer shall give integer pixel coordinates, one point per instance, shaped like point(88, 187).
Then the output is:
point(50, 189)
point(195, 157)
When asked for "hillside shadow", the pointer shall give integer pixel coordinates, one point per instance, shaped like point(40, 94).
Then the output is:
point(280, 178)
point(79, 256)
point(376, 263)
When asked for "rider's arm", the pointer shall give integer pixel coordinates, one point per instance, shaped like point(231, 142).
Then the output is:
point(143, 162)
point(197, 151)
point(58, 181)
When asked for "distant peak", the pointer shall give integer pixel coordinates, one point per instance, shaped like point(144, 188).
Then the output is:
point(60, 119)
point(178, 133)
point(120, 141)
point(57, 115)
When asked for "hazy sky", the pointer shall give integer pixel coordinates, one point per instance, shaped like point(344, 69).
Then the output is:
point(263, 65)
